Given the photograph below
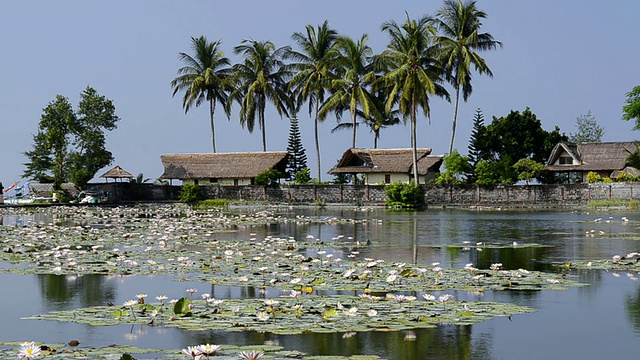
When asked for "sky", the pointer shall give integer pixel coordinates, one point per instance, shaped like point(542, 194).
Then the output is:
point(561, 59)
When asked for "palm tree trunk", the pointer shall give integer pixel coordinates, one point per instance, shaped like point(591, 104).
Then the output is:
point(315, 129)
point(212, 109)
point(455, 118)
point(375, 139)
point(414, 144)
point(353, 124)
point(262, 126)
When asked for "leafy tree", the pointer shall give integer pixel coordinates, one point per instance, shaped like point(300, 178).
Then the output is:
point(457, 166)
point(517, 136)
point(588, 129)
point(302, 177)
point(404, 194)
point(631, 108)
point(491, 172)
point(297, 157)
point(340, 178)
point(351, 89)
point(312, 71)
point(140, 179)
point(190, 193)
point(459, 43)
point(268, 177)
point(528, 169)
point(474, 141)
point(205, 77)
point(70, 146)
point(413, 74)
point(633, 159)
point(261, 77)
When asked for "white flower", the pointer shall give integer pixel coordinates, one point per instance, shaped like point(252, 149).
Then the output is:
point(429, 297)
point(444, 298)
point(208, 349)
point(351, 312)
point(131, 303)
point(495, 266)
point(391, 278)
point(263, 316)
point(28, 350)
point(372, 313)
point(616, 258)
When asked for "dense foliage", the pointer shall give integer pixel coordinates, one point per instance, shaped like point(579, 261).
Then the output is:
point(71, 145)
point(268, 177)
point(588, 130)
point(404, 194)
point(190, 193)
point(456, 169)
point(296, 154)
point(631, 108)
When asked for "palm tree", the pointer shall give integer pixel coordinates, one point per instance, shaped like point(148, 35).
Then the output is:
point(205, 77)
point(260, 77)
point(460, 24)
point(413, 72)
point(312, 66)
point(350, 90)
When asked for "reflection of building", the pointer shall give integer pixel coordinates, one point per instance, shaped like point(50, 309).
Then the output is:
point(607, 159)
point(385, 166)
point(222, 168)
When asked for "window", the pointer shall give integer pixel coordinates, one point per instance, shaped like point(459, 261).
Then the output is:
point(235, 182)
point(213, 180)
point(195, 181)
point(387, 178)
point(565, 160)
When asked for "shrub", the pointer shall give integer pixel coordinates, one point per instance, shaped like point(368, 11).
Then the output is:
point(190, 193)
point(404, 194)
point(593, 177)
point(625, 176)
point(268, 177)
point(302, 177)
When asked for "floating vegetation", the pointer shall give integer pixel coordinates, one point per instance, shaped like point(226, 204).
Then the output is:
point(629, 262)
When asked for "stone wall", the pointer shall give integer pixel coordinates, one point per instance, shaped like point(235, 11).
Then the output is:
point(463, 195)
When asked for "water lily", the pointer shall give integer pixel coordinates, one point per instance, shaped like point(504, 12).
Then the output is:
point(616, 258)
point(192, 351)
point(251, 355)
point(429, 297)
point(263, 316)
point(444, 298)
point(372, 313)
point(351, 312)
point(130, 304)
point(28, 350)
point(208, 349)
point(495, 266)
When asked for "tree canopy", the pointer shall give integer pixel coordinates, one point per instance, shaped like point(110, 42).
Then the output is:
point(631, 108)
point(71, 146)
point(588, 129)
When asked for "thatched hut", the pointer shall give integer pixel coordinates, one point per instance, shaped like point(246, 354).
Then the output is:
point(384, 166)
point(239, 168)
point(117, 173)
point(607, 159)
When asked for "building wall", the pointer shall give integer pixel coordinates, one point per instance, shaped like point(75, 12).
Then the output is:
point(224, 182)
point(378, 178)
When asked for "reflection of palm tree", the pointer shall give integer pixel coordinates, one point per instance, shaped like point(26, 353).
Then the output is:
point(205, 77)
point(312, 66)
point(460, 24)
point(632, 305)
point(413, 74)
point(260, 78)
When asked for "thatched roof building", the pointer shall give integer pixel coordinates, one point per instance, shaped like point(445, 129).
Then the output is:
point(117, 173)
point(222, 168)
point(607, 158)
point(388, 165)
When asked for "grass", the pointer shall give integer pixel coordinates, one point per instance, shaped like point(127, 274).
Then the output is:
point(629, 204)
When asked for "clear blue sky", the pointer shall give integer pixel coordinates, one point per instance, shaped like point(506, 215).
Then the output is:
point(560, 58)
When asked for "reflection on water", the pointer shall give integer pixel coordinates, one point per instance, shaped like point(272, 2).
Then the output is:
point(592, 321)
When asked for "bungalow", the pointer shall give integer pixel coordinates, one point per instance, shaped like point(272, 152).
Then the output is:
point(384, 166)
point(222, 168)
point(607, 159)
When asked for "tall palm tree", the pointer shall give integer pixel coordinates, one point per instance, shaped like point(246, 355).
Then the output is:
point(413, 71)
point(351, 89)
point(261, 77)
point(205, 77)
point(312, 68)
point(459, 43)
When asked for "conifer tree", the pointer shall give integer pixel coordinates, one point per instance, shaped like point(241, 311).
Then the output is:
point(474, 146)
point(297, 159)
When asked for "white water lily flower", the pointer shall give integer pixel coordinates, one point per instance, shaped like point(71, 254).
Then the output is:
point(372, 313)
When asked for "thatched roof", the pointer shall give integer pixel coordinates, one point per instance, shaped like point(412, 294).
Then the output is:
point(606, 156)
point(239, 165)
point(358, 161)
point(117, 173)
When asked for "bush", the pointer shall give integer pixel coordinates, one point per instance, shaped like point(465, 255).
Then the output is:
point(269, 177)
point(404, 194)
point(625, 176)
point(593, 177)
point(190, 193)
point(302, 177)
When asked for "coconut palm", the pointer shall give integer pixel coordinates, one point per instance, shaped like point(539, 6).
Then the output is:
point(205, 77)
point(351, 89)
point(413, 72)
point(261, 77)
point(312, 70)
point(459, 43)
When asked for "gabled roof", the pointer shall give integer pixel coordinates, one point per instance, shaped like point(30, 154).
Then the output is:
point(606, 156)
point(358, 161)
point(117, 173)
point(222, 165)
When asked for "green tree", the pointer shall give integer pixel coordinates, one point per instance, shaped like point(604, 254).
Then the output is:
point(70, 146)
point(588, 129)
point(302, 177)
point(631, 108)
point(312, 71)
point(459, 44)
point(351, 89)
point(205, 77)
point(528, 169)
point(474, 140)
point(413, 72)
point(297, 157)
point(140, 179)
point(457, 167)
point(268, 177)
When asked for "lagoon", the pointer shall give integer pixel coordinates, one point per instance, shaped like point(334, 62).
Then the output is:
point(589, 322)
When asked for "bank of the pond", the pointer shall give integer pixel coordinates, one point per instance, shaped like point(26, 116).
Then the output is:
point(512, 196)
